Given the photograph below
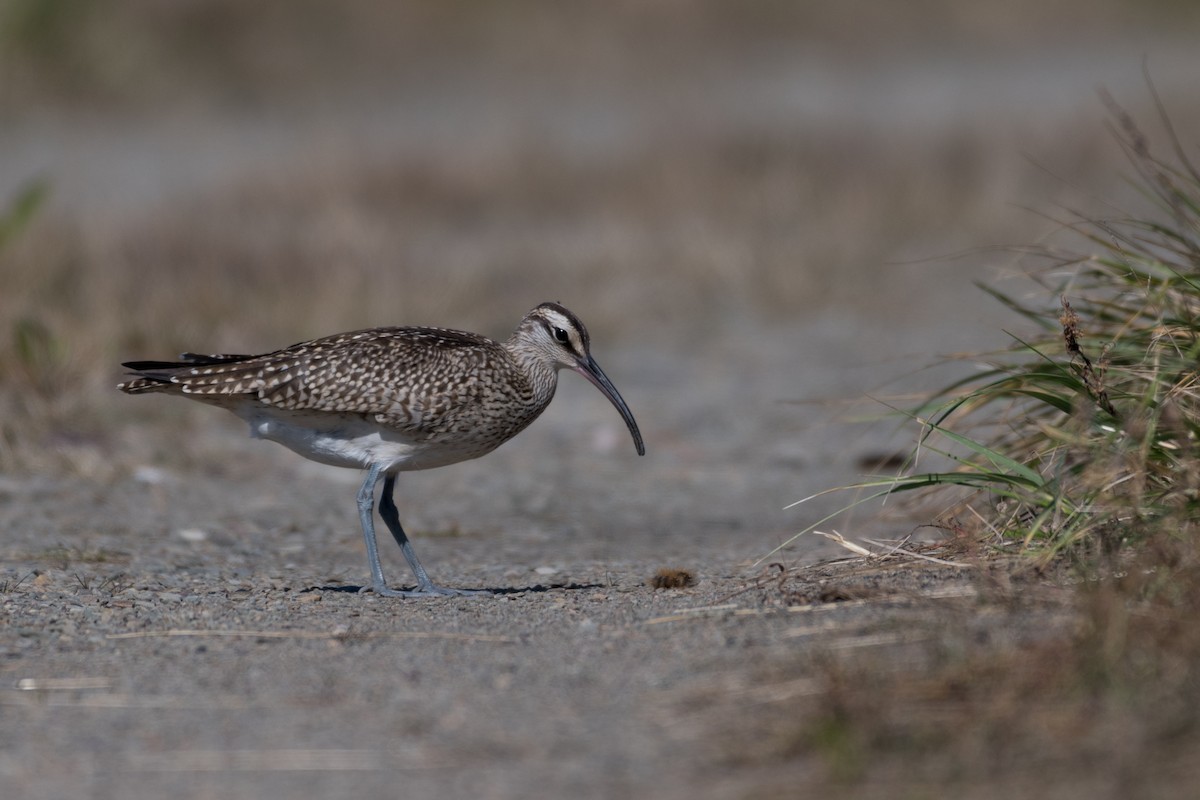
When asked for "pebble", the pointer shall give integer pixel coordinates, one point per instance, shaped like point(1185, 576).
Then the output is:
point(150, 475)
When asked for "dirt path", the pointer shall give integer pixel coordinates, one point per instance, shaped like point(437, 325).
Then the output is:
point(147, 663)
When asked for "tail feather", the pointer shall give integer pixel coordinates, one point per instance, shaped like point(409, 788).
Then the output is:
point(186, 360)
point(159, 376)
point(203, 377)
point(145, 383)
point(201, 359)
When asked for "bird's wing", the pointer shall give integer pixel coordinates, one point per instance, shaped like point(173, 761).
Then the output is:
point(404, 377)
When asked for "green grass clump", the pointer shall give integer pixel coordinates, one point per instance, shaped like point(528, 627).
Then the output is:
point(1086, 432)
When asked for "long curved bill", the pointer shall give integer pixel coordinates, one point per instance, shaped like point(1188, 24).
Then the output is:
point(588, 368)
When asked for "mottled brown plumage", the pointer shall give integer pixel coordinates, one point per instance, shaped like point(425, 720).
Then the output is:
point(392, 399)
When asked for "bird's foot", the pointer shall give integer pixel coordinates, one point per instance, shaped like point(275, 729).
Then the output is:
point(432, 590)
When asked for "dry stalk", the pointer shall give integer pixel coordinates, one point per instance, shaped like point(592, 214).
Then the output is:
point(1093, 379)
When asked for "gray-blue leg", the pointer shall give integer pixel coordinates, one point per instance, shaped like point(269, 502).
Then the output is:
point(425, 587)
point(387, 510)
point(366, 512)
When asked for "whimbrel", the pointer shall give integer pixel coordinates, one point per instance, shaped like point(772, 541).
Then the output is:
point(389, 400)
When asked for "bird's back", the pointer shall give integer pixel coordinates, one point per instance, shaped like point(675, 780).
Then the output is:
point(431, 385)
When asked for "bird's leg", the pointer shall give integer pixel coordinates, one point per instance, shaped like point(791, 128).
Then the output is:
point(425, 587)
point(387, 510)
point(366, 511)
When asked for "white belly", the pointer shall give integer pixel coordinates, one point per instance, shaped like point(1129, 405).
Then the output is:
point(350, 441)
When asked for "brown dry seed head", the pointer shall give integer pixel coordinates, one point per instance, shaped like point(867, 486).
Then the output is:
point(672, 578)
point(1070, 323)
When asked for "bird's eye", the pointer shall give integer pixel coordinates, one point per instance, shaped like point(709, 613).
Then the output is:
point(562, 336)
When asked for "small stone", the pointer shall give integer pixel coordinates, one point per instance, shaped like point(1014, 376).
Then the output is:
point(150, 475)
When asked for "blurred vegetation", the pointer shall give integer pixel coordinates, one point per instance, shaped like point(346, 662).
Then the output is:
point(21, 210)
point(138, 52)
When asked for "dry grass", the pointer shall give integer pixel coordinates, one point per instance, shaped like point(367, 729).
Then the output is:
point(1116, 701)
point(1046, 683)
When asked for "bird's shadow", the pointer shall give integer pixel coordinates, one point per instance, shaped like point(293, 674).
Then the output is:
point(537, 588)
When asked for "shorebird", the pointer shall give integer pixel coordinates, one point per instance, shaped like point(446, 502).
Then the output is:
point(389, 400)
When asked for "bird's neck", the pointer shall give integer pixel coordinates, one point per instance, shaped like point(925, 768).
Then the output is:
point(541, 374)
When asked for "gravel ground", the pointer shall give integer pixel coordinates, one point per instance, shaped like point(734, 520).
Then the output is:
point(197, 633)
point(148, 665)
